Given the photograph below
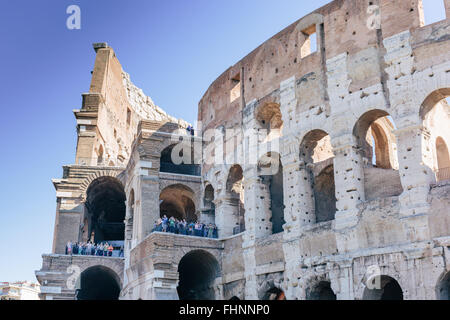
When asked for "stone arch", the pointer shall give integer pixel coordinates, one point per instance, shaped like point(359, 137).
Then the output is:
point(106, 209)
point(435, 117)
point(198, 271)
point(321, 291)
point(114, 173)
point(375, 138)
point(377, 146)
point(235, 199)
point(432, 99)
point(316, 156)
point(178, 201)
point(270, 171)
point(269, 117)
point(443, 287)
point(389, 289)
point(170, 162)
point(98, 282)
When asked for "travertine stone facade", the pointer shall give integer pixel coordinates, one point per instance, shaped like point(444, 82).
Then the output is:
point(359, 127)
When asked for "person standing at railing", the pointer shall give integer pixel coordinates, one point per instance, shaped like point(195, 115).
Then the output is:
point(110, 250)
point(69, 248)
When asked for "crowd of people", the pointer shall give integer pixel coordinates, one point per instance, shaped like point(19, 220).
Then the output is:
point(103, 249)
point(176, 226)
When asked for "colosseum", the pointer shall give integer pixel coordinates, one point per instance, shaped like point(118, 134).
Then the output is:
point(321, 157)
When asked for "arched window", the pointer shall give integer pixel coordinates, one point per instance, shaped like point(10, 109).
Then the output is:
point(377, 145)
point(443, 160)
point(435, 113)
point(317, 155)
point(269, 118)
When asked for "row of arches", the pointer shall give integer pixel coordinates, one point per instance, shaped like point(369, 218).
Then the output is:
point(376, 145)
point(199, 269)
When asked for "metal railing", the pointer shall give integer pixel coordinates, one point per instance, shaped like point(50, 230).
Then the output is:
point(443, 174)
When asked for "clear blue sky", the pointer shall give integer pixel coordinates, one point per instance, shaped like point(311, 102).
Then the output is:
point(173, 50)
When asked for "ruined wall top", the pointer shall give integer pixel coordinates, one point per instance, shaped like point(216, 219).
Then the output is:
point(354, 28)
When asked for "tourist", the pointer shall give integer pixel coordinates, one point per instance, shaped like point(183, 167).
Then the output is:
point(69, 248)
point(110, 250)
point(172, 225)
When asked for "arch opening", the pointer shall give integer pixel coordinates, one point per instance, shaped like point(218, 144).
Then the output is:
point(270, 171)
point(197, 271)
point(389, 290)
point(98, 283)
point(176, 201)
point(169, 158)
point(435, 114)
point(443, 288)
point(106, 210)
point(317, 154)
point(269, 118)
point(322, 291)
point(377, 146)
point(236, 199)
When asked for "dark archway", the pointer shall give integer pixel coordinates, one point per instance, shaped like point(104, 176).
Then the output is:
point(169, 158)
point(274, 294)
point(106, 209)
point(98, 283)
point(389, 290)
point(176, 201)
point(197, 272)
point(443, 288)
point(322, 291)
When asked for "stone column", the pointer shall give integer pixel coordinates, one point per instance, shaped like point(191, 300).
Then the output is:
point(348, 179)
point(149, 209)
point(416, 177)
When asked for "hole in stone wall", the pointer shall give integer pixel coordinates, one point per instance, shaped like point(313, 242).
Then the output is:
point(310, 44)
point(432, 11)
